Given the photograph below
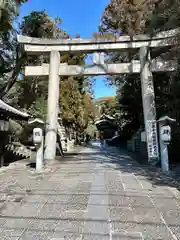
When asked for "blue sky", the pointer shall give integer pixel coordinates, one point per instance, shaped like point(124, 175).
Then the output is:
point(79, 17)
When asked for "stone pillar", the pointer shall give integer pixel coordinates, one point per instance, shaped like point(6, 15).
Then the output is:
point(149, 108)
point(53, 102)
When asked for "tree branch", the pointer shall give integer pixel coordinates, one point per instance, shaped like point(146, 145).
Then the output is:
point(14, 73)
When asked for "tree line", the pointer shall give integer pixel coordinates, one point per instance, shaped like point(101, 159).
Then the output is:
point(76, 104)
point(132, 17)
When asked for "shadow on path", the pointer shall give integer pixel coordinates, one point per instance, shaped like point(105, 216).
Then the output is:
point(127, 163)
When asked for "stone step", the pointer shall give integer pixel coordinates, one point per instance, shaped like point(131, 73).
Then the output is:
point(18, 149)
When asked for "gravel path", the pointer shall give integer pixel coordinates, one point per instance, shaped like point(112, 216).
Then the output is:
point(89, 195)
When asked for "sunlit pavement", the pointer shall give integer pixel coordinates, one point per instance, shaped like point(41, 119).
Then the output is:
point(89, 195)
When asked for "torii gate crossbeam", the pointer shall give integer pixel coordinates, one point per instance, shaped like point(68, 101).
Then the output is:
point(39, 46)
point(106, 69)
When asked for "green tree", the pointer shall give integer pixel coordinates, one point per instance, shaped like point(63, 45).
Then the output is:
point(10, 59)
point(127, 18)
point(137, 17)
point(165, 17)
point(108, 106)
point(73, 90)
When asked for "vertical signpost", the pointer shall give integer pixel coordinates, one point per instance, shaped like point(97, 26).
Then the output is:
point(149, 109)
point(152, 140)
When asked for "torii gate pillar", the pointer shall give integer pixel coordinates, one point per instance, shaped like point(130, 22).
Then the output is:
point(149, 107)
point(53, 103)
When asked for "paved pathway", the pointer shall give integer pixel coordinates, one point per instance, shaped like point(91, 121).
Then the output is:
point(88, 196)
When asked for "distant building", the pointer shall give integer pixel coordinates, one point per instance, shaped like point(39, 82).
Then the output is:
point(106, 126)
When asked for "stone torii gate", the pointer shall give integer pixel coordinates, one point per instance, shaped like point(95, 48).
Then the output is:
point(144, 67)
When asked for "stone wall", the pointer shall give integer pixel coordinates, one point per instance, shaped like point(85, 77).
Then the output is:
point(138, 147)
